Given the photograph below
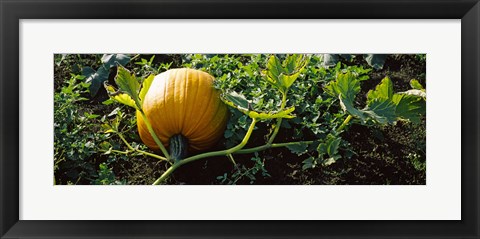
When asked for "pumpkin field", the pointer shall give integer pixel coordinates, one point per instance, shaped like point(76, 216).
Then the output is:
point(240, 119)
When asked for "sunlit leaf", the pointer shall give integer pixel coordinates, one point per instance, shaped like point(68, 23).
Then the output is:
point(345, 85)
point(409, 107)
point(145, 86)
point(119, 96)
point(384, 90)
point(416, 85)
point(128, 84)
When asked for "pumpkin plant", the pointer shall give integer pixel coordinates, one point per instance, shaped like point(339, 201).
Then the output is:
point(179, 109)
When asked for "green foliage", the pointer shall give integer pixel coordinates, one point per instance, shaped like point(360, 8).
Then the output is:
point(75, 141)
point(106, 176)
point(243, 173)
point(383, 105)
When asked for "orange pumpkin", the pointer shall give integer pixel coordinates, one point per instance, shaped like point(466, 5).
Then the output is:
point(183, 107)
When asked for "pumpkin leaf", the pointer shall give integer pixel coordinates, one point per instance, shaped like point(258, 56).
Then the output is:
point(283, 76)
point(384, 90)
point(381, 110)
point(111, 60)
point(345, 85)
point(347, 106)
point(128, 84)
point(145, 86)
point(119, 96)
point(376, 60)
point(236, 100)
point(95, 78)
point(409, 107)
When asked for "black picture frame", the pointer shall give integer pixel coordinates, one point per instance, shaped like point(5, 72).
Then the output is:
point(11, 11)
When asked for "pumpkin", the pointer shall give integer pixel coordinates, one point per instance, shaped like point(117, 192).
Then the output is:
point(184, 109)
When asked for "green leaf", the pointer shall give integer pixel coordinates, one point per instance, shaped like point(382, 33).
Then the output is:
point(236, 100)
point(145, 86)
point(409, 107)
point(381, 110)
point(376, 60)
point(299, 149)
point(345, 85)
point(333, 144)
point(119, 96)
point(295, 63)
point(283, 76)
point(348, 107)
point(274, 69)
point(95, 78)
point(111, 60)
point(128, 84)
point(384, 90)
point(310, 162)
point(416, 85)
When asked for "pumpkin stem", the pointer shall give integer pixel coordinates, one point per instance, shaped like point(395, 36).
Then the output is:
point(178, 147)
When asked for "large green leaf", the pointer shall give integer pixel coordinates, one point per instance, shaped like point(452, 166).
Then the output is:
point(128, 84)
point(111, 60)
point(381, 110)
point(345, 85)
point(348, 107)
point(95, 78)
point(409, 107)
point(384, 90)
point(274, 69)
point(376, 60)
point(283, 76)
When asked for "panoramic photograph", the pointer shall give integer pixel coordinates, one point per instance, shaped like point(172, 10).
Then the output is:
point(240, 119)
